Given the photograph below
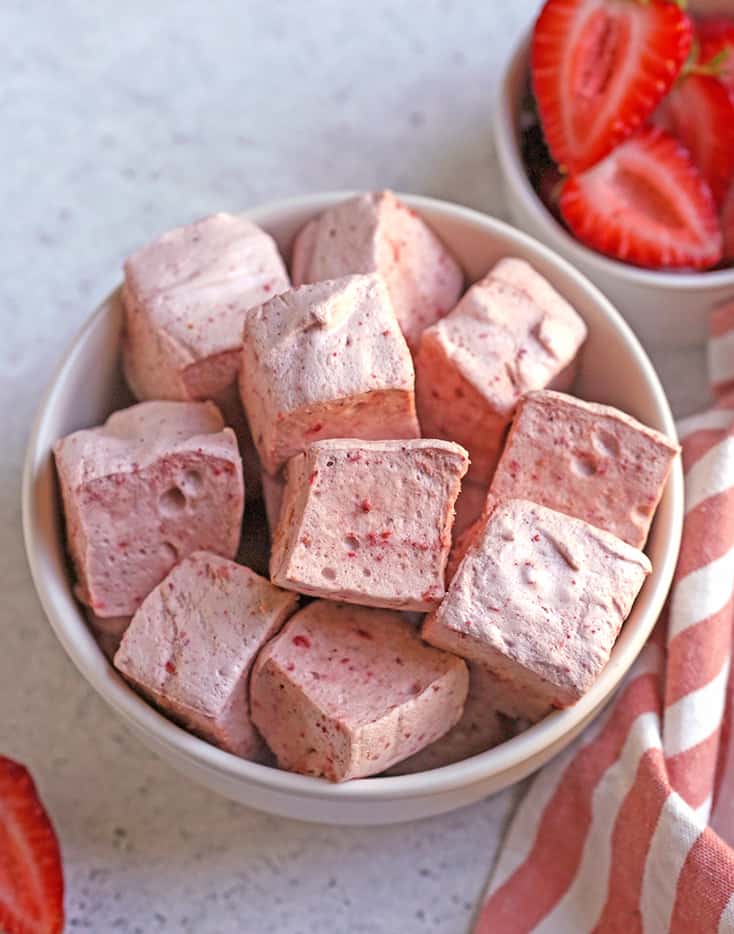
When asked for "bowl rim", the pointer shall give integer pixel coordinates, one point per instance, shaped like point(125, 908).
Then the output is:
point(511, 162)
point(67, 620)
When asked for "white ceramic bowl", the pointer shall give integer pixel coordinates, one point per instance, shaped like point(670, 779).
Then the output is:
point(88, 386)
point(664, 309)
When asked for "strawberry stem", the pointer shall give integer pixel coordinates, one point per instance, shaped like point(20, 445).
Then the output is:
point(713, 68)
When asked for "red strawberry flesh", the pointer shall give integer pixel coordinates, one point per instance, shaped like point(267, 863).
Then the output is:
point(716, 36)
point(600, 68)
point(700, 111)
point(646, 204)
point(31, 881)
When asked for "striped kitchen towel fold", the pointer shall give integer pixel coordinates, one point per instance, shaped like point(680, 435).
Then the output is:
point(630, 829)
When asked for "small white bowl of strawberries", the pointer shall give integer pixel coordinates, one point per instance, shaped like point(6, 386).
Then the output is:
point(615, 134)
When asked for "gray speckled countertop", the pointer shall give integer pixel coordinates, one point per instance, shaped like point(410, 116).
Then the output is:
point(117, 121)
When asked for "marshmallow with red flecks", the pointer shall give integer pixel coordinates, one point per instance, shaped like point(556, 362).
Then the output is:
point(511, 333)
point(326, 361)
point(190, 647)
point(345, 692)
point(186, 296)
point(156, 482)
point(539, 598)
point(481, 727)
point(590, 461)
point(369, 522)
point(376, 232)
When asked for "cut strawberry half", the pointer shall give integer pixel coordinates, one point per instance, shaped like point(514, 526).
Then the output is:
point(600, 68)
point(646, 204)
point(716, 38)
point(700, 111)
point(31, 880)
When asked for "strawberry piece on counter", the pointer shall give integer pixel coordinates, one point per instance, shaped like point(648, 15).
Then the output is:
point(646, 204)
point(699, 111)
point(716, 38)
point(599, 70)
point(31, 878)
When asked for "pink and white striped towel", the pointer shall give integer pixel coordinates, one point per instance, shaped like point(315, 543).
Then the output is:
point(630, 830)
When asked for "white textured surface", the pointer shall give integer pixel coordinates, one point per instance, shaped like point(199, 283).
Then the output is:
point(118, 121)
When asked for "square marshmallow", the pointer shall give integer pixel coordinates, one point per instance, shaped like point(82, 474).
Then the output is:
point(376, 232)
point(511, 332)
point(156, 482)
point(186, 295)
point(326, 361)
point(348, 691)
point(369, 522)
point(590, 461)
point(539, 598)
point(190, 647)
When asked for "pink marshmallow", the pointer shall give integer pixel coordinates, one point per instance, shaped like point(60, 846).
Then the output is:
point(378, 233)
point(539, 598)
point(190, 647)
point(154, 483)
point(369, 522)
point(186, 296)
point(326, 361)
point(480, 728)
point(511, 333)
point(346, 692)
point(590, 461)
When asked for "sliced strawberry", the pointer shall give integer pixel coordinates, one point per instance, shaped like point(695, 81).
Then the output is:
point(727, 222)
point(600, 68)
point(31, 881)
point(700, 111)
point(716, 38)
point(646, 204)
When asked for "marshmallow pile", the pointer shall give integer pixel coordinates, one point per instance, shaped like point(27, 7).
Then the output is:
point(455, 541)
